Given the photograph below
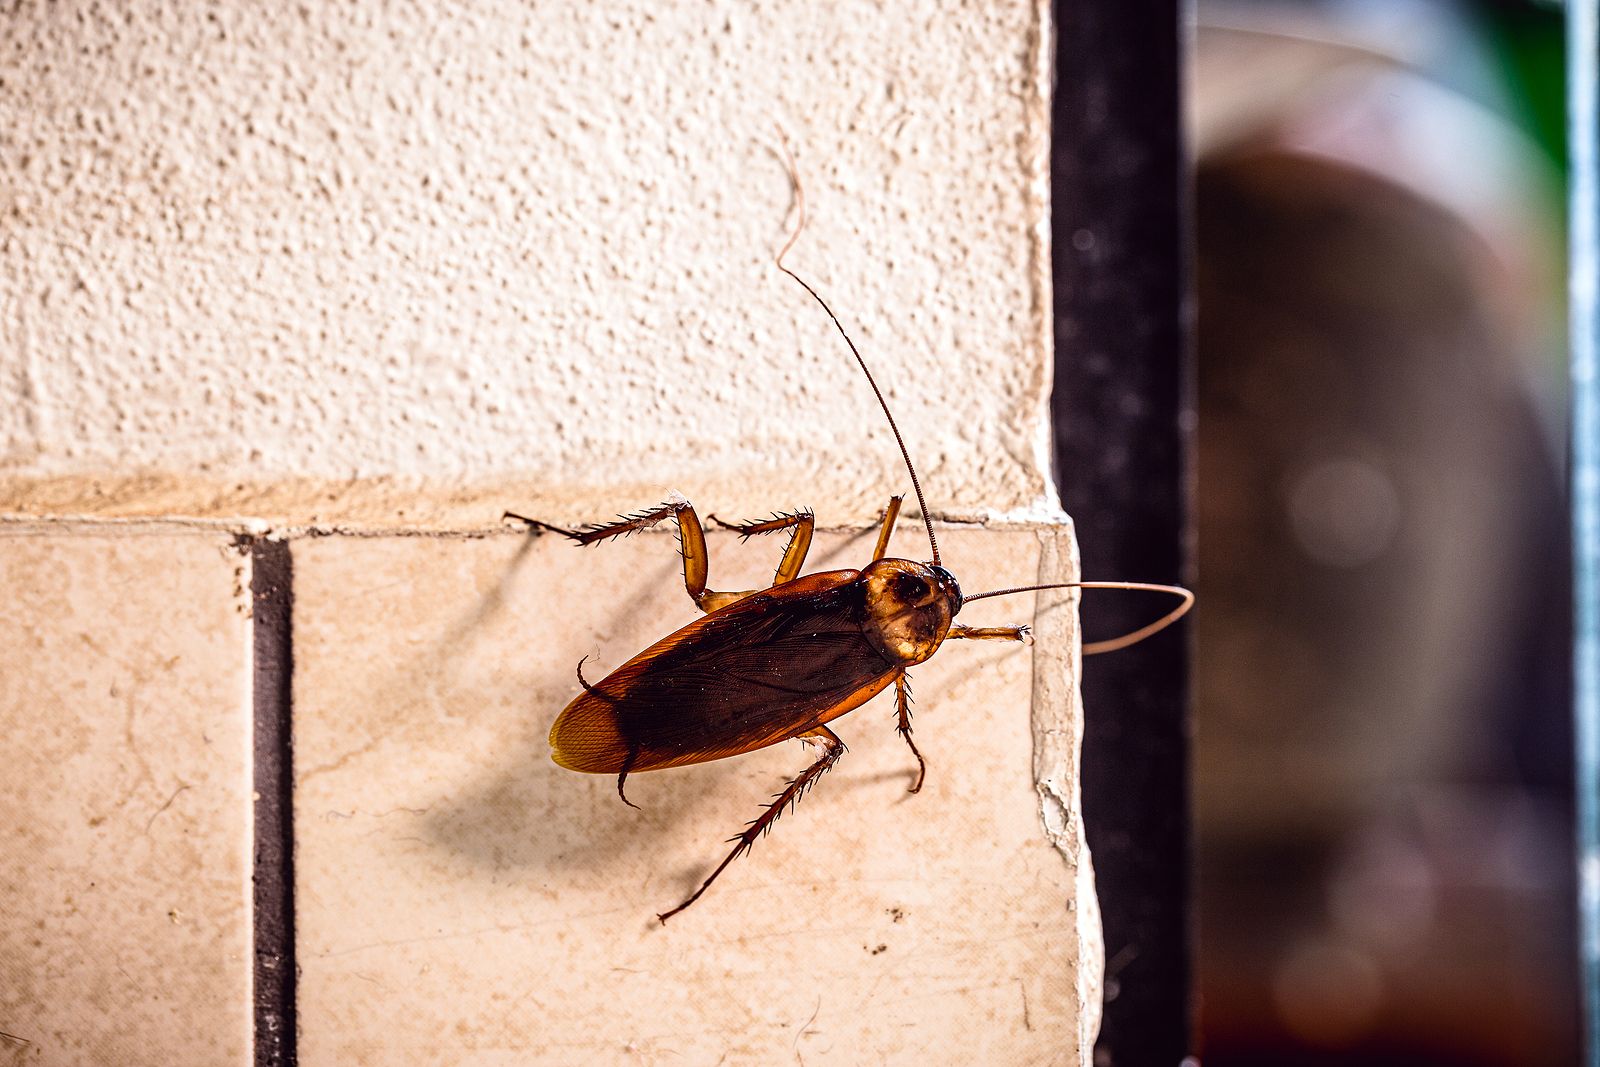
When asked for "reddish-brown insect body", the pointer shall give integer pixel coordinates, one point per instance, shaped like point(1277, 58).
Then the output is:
point(780, 663)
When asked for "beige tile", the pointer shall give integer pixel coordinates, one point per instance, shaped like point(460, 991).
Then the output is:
point(125, 800)
point(461, 899)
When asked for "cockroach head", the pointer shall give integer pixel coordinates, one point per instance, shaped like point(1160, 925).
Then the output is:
point(909, 607)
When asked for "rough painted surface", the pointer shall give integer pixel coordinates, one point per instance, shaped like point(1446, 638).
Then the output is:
point(125, 799)
point(412, 264)
point(464, 900)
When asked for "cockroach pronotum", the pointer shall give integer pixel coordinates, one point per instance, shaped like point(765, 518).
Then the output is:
point(780, 663)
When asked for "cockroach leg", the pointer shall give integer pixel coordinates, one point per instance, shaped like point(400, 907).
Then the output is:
point(804, 523)
point(714, 601)
point(535, 524)
point(691, 544)
point(779, 521)
point(832, 749)
point(991, 633)
point(600, 531)
point(890, 513)
point(632, 756)
point(902, 710)
point(627, 765)
point(696, 564)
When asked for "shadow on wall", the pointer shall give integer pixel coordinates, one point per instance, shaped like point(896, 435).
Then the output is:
point(1382, 768)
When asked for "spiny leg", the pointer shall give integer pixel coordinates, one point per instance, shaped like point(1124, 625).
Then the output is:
point(804, 523)
point(692, 538)
point(691, 541)
point(600, 531)
point(890, 513)
point(535, 524)
point(832, 749)
point(991, 633)
point(902, 710)
point(902, 686)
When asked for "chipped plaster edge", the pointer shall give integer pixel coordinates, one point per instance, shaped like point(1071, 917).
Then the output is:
point(1036, 148)
point(1057, 749)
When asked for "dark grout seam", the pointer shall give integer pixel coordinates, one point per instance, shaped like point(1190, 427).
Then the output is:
point(275, 972)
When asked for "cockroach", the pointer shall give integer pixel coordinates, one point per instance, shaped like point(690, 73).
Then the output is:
point(780, 663)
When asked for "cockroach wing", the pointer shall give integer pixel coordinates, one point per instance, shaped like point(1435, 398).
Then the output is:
point(759, 671)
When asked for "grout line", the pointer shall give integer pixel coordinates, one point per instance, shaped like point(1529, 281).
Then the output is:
point(272, 596)
point(251, 532)
point(31, 523)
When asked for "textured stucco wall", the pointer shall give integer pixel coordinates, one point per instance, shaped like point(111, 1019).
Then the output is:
point(412, 264)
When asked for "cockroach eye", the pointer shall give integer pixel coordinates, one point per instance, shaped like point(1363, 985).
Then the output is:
point(910, 588)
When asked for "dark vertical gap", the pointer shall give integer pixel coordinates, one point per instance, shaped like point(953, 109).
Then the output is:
point(272, 594)
point(1119, 228)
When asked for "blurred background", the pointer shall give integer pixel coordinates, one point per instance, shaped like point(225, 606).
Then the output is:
point(1383, 778)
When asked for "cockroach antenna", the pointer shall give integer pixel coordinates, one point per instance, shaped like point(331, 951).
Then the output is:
point(1185, 597)
point(1112, 644)
point(799, 213)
